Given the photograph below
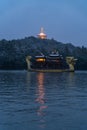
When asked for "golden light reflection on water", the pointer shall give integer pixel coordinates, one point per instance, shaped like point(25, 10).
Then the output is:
point(41, 93)
point(38, 79)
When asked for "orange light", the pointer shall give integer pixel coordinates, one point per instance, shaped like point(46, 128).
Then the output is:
point(42, 35)
point(40, 60)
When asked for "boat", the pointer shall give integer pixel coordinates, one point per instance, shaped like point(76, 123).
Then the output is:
point(54, 62)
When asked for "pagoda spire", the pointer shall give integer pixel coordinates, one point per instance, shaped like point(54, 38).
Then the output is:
point(42, 30)
point(42, 35)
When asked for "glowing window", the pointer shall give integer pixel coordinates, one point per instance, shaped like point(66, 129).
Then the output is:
point(40, 60)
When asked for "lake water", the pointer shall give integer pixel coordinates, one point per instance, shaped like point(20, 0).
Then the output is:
point(43, 101)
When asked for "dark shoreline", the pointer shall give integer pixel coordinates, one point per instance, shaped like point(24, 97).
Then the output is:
point(13, 53)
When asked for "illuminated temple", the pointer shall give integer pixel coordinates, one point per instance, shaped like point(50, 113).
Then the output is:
point(42, 35)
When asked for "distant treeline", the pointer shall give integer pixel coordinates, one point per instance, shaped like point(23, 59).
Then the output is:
point(13, 53)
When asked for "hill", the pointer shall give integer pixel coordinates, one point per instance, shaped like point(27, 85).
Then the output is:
point(13, 53)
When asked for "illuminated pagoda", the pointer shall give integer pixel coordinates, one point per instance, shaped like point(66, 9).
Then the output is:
point(42, 35)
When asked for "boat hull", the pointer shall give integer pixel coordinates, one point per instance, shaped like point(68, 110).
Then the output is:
point(38, 65)
point(50, 70)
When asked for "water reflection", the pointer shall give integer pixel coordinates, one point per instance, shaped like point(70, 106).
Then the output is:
point(35, 83)
point(41, 93)
point(70, 79)
point(28, 80)
point(23, 103)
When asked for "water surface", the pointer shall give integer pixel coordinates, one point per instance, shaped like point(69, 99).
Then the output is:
point(50, 101)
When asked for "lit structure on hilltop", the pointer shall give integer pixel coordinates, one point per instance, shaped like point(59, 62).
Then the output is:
point(42, 35)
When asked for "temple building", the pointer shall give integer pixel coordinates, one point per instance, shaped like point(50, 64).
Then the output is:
point(42, 35)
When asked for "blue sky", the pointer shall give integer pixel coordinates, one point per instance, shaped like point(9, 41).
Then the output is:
point(63, 20)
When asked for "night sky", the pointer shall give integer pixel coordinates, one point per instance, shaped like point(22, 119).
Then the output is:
point(63, 20)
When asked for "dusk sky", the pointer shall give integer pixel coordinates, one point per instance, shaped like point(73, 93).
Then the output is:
point(63, 20)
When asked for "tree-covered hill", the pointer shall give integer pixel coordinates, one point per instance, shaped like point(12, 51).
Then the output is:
point(13, 53)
